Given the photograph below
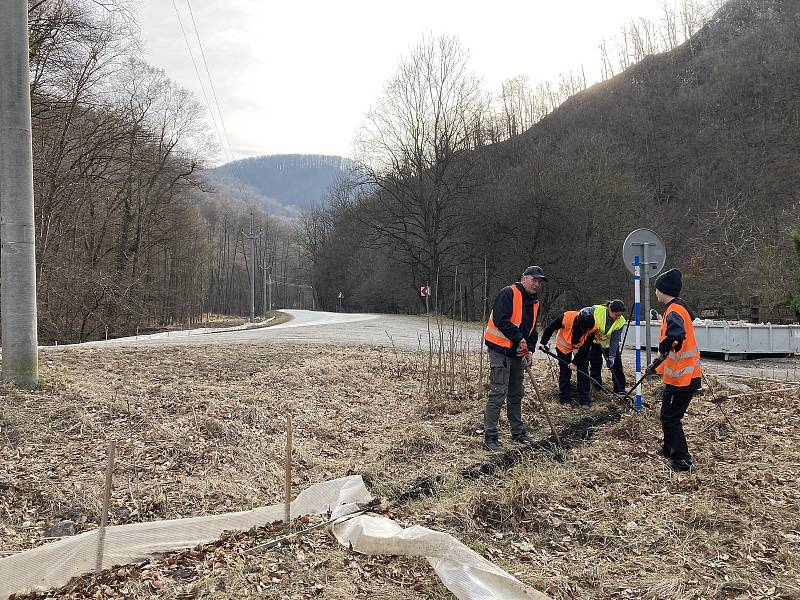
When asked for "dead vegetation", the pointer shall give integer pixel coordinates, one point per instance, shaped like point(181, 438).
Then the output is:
point(200, 430)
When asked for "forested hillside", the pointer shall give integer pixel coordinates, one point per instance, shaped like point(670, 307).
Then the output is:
point(283, 183)
point(700, 143)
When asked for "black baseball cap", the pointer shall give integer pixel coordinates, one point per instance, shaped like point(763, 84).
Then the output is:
point(535, 271)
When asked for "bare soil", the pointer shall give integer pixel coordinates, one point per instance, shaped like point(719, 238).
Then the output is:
point(201, 430)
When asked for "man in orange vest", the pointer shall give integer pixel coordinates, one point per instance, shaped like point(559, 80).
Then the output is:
point(511, 337)
point(575, 334)
point(678, 362)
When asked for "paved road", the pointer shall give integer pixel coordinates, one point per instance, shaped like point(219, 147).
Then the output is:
point(405, 332)
point(314, 327)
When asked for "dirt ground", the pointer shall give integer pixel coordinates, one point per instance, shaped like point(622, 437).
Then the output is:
point(201, 430)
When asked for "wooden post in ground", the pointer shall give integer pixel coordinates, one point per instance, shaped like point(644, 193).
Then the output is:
point(106, 504)
point(287, 506)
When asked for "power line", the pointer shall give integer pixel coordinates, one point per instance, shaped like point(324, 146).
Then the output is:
point(210, 81)
point(199, 79)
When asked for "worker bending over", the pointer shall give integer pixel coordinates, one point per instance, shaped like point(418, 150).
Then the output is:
point(573, 343)
point(605, 345)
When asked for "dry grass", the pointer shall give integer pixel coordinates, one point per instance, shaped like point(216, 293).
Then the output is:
point(201, 430)
point(614, 522)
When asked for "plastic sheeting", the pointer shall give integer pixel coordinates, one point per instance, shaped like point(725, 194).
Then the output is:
point(467, 575)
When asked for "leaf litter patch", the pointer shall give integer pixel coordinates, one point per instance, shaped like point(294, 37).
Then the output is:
point(200, 430)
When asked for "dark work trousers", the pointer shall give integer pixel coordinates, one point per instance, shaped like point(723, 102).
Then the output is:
point(673, 406)
point(565, 375)
point(506, 386)
point(599, 355)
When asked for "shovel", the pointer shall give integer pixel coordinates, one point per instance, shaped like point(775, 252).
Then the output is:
point(592, 379)
point(542, 406)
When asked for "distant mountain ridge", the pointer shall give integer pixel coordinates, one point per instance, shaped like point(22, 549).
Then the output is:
point(282, 184)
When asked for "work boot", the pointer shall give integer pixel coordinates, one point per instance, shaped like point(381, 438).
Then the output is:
point(681, 466)
point(522, 438)
point(492, 444)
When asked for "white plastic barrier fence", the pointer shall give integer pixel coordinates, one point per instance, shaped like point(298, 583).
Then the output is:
point(467, 575)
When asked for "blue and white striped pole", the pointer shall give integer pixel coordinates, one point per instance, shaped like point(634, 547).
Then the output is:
point(637, 284)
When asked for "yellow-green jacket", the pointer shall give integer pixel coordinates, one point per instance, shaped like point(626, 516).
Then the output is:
point(605, 334)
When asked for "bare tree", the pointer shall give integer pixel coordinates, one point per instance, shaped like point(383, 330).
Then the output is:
point(415, 157)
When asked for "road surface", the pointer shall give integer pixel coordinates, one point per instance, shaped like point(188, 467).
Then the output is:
point(403, 332)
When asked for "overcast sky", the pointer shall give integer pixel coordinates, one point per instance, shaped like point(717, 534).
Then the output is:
point(299, 75)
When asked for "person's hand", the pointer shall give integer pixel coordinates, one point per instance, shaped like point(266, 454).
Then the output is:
point(522, 348)
point(573, 366)
point(651, 368)
point(544, 348)
point(610, 362)
point(527, 360)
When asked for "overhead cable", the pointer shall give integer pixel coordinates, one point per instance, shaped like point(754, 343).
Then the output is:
point(199, 79)
point(211, 81)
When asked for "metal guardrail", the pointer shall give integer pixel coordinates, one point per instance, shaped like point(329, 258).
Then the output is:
point(737, 339)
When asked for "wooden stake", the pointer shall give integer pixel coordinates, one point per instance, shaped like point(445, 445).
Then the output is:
point(287, 506)
point(101, 535)
point(109, 480)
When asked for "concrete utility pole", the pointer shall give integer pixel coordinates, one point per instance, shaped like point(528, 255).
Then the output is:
point(264, 275)
point(18, 256)
point(252, 237)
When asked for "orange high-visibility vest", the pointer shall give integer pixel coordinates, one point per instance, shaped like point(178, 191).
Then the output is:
point(679, 368)
point(494, 335)
point(564, 336)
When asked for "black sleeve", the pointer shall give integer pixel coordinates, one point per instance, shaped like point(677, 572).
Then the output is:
point(554, 326)
point(501, 315)
point(676, 332)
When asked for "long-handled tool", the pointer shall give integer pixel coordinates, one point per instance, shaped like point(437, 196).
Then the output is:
point(647, 371)
point(542, 406)
point(718, 402)
point(622, 344)
point(592, 379)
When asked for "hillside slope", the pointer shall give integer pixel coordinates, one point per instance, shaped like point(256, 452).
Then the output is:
point(281, 184)
point(702, 144)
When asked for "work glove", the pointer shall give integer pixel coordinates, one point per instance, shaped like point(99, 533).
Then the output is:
point(544, 348)
point(610, 362)
point(522, 348)
point(527, 360)
point(572, 367)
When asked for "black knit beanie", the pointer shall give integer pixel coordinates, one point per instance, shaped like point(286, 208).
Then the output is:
point(670, 282)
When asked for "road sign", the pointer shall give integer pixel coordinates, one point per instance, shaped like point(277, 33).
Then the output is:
point(340, 296)
point(648, 246)
point(643, 250)
point(425, 291)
